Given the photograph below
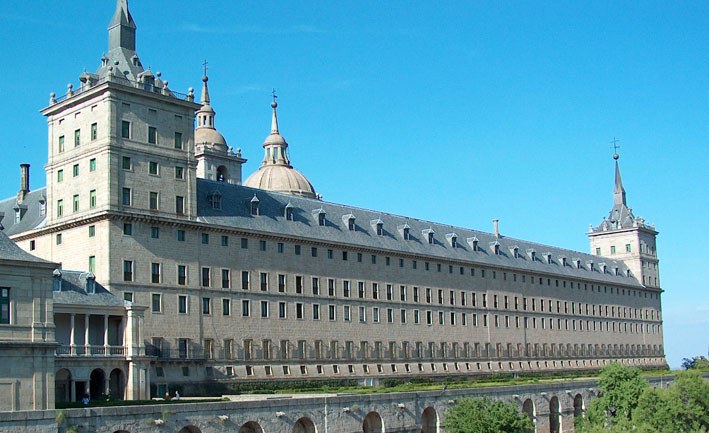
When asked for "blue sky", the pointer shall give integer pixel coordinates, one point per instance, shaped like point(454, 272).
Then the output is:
point(457, 112)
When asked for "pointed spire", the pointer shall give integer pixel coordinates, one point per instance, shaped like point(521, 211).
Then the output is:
point(205, 90)
point(274, 120)
point(618, 190)
point(121, 29)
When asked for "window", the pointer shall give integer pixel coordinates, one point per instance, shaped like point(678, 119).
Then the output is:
point(297, 250)
point(206, 305)
point(226, 274)
point(127, 229)
point(60, 175)
point(155, 232)
point(181, 275)
point(244, 243)
point(262, 245)
point(179, 172)
point(58, 239)
point(153, 168)
point(346, 288)
point(125, 129)
point(245, 308)
point(362, 314)
point(92, 231)
point(179, 205)
point(155, 273)
point(181, 235)
point(205, 238)
point(182, 304)
point(375, 314)
point(330, 287)
point(126, 163)
point(612, 249)
point(598, 251)
point(92, 198)
point(127, 270)
point(178, 140)
point(75, 203)
point(77, 137)
point(263, 280)
point(282, 310)
point(94, 131)
point(156, 303)
point(206, 274)
point(92, 263)
point(245, 280)
point(126, 197)
point(627, 248)
point(61, 143)
point(346, 313)
point(298, 310)
point(332, 312)
point(390, 315)
point(153, 200)
point(152, 135)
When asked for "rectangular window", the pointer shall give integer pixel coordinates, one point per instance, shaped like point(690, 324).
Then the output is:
point(206, 274)
point(155, 232)
point(263, 280)
point(346, 288)
point(152, 135)
point(332, 312)
point(178, 140)
point(282, 310)
point(75, 170)
point(92, 231)
point(244, 243)
point(61, 143)
point(127, 270)
point(128, 229)
point(298, 284)
point(156, 304)
point(75, 203)
point(58, 239)
point(154, 200)
point(77, 137)
point(206, 306)
point(92, 198)
point(92, 164)
point(330, 287)
point(316, 286)
point(126, 163)
point(179, 172)
point(627, 248)
point(126, 197)
point(390, 315)
point(375, 314)
point(226, 278)
point(155, 273)
point(92, 263)
point(298, 310)
point(181, 275)
point(264, 309)
point(125, 129)
point(179, 205)
point(60, 175)
point(346, 313)
point(316, 312)
point(245, 280)
point(262, 245)
point(94, 131)
point(205, 238)
point(153, 168)
point(245, 308)
point(181, 235)
point(182, 304)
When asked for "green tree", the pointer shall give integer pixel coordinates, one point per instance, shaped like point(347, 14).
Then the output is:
point(620, 390)
point(698, 362)
point(484, 415)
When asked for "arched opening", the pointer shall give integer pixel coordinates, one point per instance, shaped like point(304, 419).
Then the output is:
point(116, 384)
point(251, 427)
point(373, 423)
point(528, 409)
point(62, 386)
point(97, 384)
point(578, 406)
point(554, 418)
point(190, 429)
point(429, 421)
point(304, 425)
point(222, 174)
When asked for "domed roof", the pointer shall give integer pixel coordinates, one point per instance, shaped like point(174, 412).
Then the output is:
point(210, 136)
point(281, 178)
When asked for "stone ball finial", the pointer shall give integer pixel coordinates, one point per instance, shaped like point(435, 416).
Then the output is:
point(274, 104)
point(616, 156)
point(158, 74)
point(205, 78)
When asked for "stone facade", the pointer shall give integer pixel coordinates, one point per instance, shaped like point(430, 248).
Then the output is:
point(246, 283)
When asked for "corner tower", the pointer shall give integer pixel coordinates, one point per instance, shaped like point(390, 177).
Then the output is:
point(276, 172)
point(626, 237)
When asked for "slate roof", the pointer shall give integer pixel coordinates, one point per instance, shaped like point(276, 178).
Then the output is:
point(235, 213)
point(10, 251)
point(73, 292)
point(32, 217)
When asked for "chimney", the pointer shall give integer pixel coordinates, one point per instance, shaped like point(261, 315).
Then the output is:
point(496, 226)
point(24, 182)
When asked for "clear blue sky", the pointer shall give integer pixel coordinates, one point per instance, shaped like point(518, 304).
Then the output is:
point(457, 112)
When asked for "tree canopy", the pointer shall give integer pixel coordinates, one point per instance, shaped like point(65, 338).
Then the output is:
point(484, 415)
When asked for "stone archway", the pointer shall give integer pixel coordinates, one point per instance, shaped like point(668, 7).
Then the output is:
point(373, 423)
point(304, 425)
point(116, 384)
point(222, 174)
point(251, 427)
point(190, 429)
point(429, 421)
point(554, 416)
point(62, 386)
point(529, 410)
point(97, 384)
point(579, 408)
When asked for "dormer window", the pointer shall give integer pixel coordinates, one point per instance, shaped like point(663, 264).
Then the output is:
point(452, 240)
point(405, 231)
point(532, 254)
point(590, 266)
point(319, 215)
point(215, 200)
point(495, 247)
point(548, 257)
point(627, 273)
point(428, 235)
point(616, 271)
point(603, 267)
point(578, 263)
point(288, 213)
point(90, 283)
point(255, 205)
point(57, 280)
point(473, 242)
point(378, 226)
point(349, 221)
point(42, 207)
point(515, 252)
point(563, 261)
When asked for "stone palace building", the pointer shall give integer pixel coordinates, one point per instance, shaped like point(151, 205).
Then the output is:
point(262, 279)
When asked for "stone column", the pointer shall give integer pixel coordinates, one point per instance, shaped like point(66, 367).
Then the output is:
point(72, 341)
point(105, 334)
point(87, 346)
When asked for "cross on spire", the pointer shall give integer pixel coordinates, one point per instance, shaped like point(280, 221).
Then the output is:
point(273, 93)
point(205, 67)
point(615, 144)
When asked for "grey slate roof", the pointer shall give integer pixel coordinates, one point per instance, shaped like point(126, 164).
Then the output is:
point(32, 217)
point(73, 292)
point(10, 251)
point(236, 213)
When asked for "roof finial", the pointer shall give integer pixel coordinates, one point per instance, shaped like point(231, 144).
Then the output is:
point(205, 89)
point(618, 190)
point(121, 29)
point(205, 67)
point(615, 148)
point(274, 120)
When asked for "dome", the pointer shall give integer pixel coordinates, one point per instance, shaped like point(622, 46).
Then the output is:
point(281, 178)
point(210, 136)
